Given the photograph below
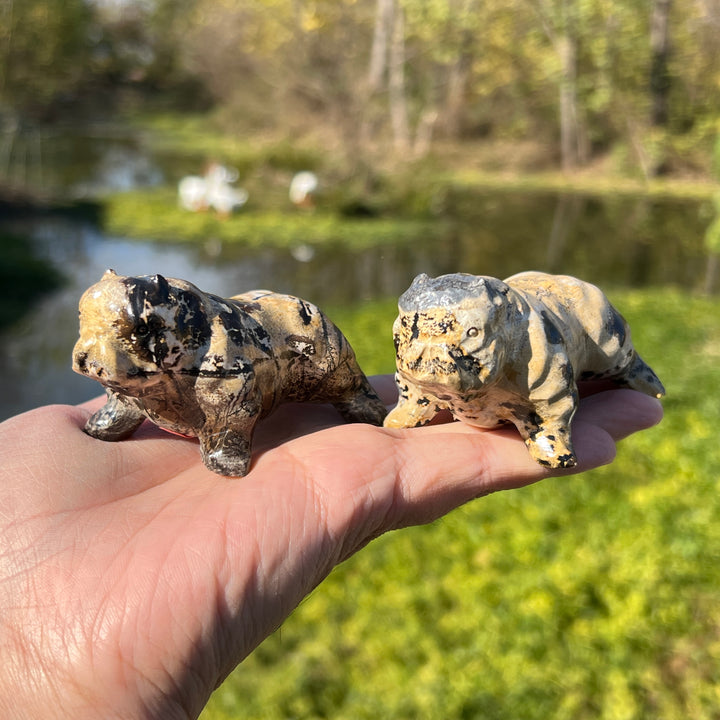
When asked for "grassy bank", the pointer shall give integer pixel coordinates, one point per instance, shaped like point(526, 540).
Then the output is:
point(359, 203)
point(154, 214)
point(588, 597)
point(482, 164)
point(586, 183)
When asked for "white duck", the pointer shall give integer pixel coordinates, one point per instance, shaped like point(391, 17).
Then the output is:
point(302, 187)
point(220, 194)
point(214, 190)
point(191, 193)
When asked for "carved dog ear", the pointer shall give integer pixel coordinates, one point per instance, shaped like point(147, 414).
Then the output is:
point(108, 274)
point(163, 287)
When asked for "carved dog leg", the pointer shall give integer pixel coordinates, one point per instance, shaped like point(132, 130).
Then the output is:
point(546, 431)
point(227, 450)
point(117, 419)
point(232, 410)
point(413, 407)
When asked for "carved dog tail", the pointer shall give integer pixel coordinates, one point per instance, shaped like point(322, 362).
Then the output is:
point(363, 407)
point(640, 376)
point(357, 401)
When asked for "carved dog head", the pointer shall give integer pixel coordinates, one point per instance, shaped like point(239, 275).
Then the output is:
point(450, 329)
point(136, 330)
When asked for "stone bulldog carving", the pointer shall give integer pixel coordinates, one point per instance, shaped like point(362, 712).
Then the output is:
point(495, 352)
point(204, 366)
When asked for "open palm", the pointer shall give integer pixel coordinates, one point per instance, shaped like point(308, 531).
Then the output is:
point(132, 579)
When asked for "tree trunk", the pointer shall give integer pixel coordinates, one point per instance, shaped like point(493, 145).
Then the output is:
point(377, 71)
point(457, 84)
point(660, 55)
point(424, 132)
point(572, 152)
point(379, 49)
point(561, 32)
point(396, 86)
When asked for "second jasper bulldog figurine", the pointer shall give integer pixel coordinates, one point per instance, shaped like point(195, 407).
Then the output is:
point(200, 365)
point(495, 352)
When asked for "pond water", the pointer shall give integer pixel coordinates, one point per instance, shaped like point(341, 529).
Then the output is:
point(615, 242)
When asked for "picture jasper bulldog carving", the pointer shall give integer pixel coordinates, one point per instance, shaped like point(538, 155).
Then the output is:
point(200, 365)
point(496, 352)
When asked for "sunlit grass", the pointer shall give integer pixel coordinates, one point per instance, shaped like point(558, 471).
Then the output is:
point(201, 136)
point(155, 214)
point(584, 183)
point(593, 596)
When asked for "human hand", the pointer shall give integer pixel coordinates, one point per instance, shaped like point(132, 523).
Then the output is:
point(133, 580)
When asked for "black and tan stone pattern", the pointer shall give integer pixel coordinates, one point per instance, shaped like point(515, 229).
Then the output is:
point(210, 367)
point(512, 351)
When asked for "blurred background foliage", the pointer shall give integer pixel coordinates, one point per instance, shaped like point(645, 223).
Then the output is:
point(577, 80)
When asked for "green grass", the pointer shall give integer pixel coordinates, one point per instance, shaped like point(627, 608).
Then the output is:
point(202, 136)
point(154, 214)
point(594, 596)
point(588, 184)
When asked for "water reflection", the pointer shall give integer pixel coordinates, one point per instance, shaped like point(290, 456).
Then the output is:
point(66, 162)
point(611, 242)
